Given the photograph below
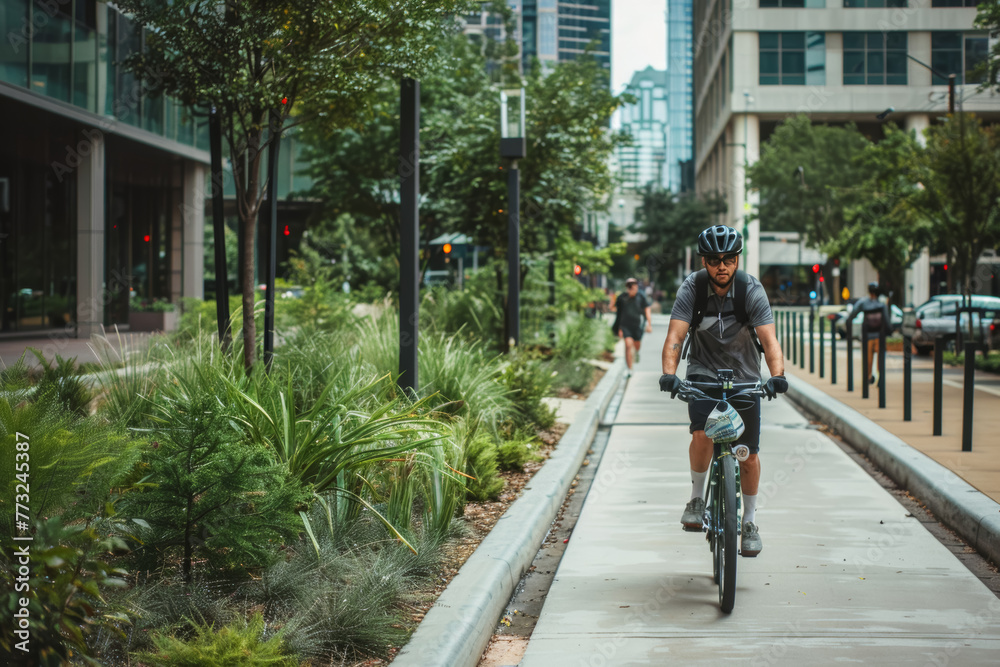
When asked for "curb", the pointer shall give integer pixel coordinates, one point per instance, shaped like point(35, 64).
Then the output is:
point(456, 630)
point(969, 512)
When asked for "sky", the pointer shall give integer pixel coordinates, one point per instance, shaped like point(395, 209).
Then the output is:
point(638, 38)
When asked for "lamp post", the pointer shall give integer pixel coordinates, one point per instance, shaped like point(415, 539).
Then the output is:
point(513, 147)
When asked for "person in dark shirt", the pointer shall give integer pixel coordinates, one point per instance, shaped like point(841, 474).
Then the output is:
point(876, 315)
point(631, 307)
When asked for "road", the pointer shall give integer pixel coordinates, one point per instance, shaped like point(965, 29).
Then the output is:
point(846, 574)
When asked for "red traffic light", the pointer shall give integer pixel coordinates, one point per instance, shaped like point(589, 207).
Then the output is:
point(577, 269)
point(146, 238)
point(815, 268)
point(447, 248)
point(287, 231)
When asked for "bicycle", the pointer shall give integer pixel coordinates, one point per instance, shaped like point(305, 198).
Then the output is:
point(721, 521)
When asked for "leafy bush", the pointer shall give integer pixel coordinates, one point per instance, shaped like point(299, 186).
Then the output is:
point(235, 644)
point(59, 378)
point(529, 381)
point(66, 606)
point(207, 492)
point(481, 465)
point(516, 450)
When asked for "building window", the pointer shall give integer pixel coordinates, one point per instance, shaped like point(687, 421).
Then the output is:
point(547, 34)
point(958, 54)
point(875, 3)
point(955, 3)
point(808, 4)
point(792, 58)
point(875, 58)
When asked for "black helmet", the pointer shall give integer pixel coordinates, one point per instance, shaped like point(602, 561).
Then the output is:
point(873, 287)
point(720, 240)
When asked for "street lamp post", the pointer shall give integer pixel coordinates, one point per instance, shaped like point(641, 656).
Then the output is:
point(514, 147)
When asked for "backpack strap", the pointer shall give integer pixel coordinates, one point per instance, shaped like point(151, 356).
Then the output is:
point(741, 284)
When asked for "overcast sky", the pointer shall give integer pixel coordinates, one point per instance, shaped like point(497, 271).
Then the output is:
point(638, 38)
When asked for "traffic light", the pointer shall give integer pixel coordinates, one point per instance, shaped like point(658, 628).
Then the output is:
point(815, 268)
point(577, 269)
point(447, 248)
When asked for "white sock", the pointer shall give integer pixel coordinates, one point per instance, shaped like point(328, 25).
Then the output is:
point(749, 509)
point(698, 484)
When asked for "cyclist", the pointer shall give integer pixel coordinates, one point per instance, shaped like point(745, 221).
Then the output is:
point(632, 307)
point(721, 341)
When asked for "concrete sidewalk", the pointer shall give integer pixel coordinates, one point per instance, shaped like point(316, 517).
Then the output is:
point(847, 574)
point(980, 467)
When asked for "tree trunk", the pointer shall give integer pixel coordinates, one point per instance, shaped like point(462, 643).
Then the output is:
point(248, 209)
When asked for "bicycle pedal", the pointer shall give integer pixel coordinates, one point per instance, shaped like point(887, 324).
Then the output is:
point(690, 528)
point(749, 555)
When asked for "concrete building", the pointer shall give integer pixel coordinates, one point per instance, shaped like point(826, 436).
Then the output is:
point(102, 186)
point(644, 162)
point(756, 62)
point(680, 56)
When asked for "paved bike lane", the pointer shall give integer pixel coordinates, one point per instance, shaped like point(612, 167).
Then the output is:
point(846, 574)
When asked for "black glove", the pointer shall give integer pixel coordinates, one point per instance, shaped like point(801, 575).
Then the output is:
point(670, 382)
point(776, 385)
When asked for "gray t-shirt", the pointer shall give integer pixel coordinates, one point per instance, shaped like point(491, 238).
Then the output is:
point(721, 341)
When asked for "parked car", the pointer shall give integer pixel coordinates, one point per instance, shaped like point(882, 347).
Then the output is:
point(895, 318)
point(937, 318)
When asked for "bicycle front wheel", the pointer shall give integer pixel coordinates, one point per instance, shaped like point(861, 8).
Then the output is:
point(726, 548)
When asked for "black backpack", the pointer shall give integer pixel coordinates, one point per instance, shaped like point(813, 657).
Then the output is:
point(741, 284)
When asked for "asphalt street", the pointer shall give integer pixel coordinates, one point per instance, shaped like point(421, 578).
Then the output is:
point(846, 574)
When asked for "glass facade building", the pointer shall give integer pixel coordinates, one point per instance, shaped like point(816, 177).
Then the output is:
point(680, 57)
point(644, 161)
point(101, 183)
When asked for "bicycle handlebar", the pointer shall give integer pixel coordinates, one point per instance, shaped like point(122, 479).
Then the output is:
point(693, 391)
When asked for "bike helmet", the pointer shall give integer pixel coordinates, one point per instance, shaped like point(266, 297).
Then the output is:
point(720, 240)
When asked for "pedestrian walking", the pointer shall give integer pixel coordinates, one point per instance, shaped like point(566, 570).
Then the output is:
point(631, 308)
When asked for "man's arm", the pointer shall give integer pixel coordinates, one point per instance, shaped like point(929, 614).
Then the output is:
point(672, 346)
point(649, 319)
point(772, 349)
point(614, 305)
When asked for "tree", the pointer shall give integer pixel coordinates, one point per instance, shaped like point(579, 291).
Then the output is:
point(248, 58)
point(959, 173)
point(881, 225)
point(672, 223)
point(811, 202)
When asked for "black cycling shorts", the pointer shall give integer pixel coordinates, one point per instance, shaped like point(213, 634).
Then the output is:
point(698, 412)
point(634, 334)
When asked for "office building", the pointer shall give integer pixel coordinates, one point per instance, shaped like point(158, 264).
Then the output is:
point(756, 62)
point(644, 161)
point(680, 55)
point(553, 31)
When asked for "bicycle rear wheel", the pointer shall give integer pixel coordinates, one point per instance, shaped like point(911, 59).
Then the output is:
point(726, 548)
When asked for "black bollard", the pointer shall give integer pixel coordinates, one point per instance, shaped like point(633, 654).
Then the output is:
point(812, 341)
point(907, 379)
point(881, 367)
point(850, 356)
point(794, 343)
point(822, 344)
point(866, 372)
point(802, 341)
point(969, 389)
point(833, 353)
point(938, 379)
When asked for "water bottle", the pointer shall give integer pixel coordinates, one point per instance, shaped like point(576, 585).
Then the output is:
point(741, 452)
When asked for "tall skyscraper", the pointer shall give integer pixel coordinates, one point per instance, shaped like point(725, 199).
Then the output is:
point(643, 161)
point(680, 56)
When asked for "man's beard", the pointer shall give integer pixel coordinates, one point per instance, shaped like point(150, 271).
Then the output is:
point(721, 284)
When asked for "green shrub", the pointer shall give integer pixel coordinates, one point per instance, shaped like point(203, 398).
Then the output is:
point(513, 452)
point(59, 378)
point(207, 493)
point(573, 375)
point(528, 382)
point(235, 644)
point(67, 578)
point(481, 465)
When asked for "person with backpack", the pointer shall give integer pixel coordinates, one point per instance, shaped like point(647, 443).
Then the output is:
point(726, 320)
point(876, 318)
point(631, 308)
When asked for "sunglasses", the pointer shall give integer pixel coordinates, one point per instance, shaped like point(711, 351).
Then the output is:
point(729, 259)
